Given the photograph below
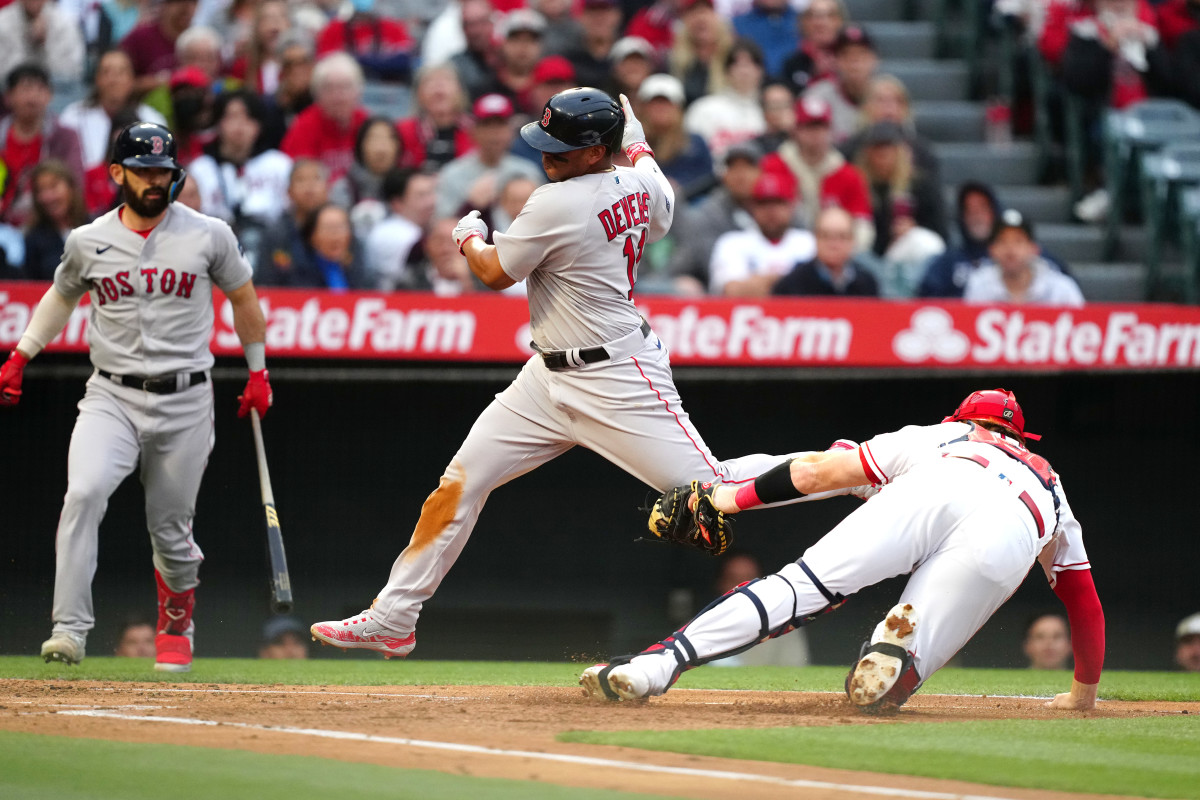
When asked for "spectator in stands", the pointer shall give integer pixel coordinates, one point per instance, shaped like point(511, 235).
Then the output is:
point(200, 46)
point(552, 75)
point(233, 22)
point(1047, 642)
point(1017, 273)
point(473, 179)
point(748, 263)
point(376, 152)
point(814, 59)
point(513, 193)
point(239, 181)
point(382, 46)
point(888, 165)
point(189, 195)
point(790, 650)
point(773, 24)
point(855, 63)
point(656, 23)
point(151, 45)
point(39, 32)
point(822, 173)
point(734, 114)
point(136, 640)
point(328, 129)
point(284, 638)
point(601, 23)
point(296, 55)
point(282, 252)
point(260, 67)
point(1115, 56)
point(446, 271)
point(682, 156)
point(887, 101)
point(440, 130)
point(394, 254)
point(698, 55)
point(633, 60)
point(1187, 643)
point(563, 33)
point(779, 111)
point(978, 210)
point(189, 109)
point(119, 18)
point(520, 51)
point(94, 118)
point(1176, 18)
point(334, 258)
point(726, 208)
point(30, 134)
point(833, 271)
point(476, 65)
point(57, 208)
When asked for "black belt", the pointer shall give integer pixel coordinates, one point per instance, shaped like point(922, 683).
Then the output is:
point(557, 359)
point(167, 384)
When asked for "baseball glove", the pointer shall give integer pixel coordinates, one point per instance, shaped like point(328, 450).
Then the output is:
point(704, 528)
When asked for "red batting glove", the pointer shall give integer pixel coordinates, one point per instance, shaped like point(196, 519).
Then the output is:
point(10, 378)
point(256, 395)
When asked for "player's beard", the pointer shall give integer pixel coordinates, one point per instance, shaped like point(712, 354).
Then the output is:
point(152, 201)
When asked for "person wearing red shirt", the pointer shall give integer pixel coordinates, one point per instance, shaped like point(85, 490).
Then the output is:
point(151, 45)
point(656, 23)
point(328, 129)
point(381, 45)
point(440, 131)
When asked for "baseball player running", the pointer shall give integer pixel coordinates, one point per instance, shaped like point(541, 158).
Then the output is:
point(963, 506)
point(150, 266)
point(600, 378)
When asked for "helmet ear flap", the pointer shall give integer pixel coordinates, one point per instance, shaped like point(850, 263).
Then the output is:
point(178, 179)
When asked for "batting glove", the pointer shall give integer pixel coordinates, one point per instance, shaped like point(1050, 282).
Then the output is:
point(633, 138)
point(256, 395)
point(10, 378)
point(469, 227)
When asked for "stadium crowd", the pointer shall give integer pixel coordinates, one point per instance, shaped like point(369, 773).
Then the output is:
point(342, 138)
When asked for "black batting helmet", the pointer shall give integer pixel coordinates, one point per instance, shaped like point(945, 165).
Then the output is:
point(574, 119)
point(148, 144)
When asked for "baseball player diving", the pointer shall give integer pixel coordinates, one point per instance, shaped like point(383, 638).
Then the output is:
point(963, 506)
point(600, 378)
point(150, 266)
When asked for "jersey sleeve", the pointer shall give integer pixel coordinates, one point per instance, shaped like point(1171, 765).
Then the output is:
point(1065, 551)
point(548, 222)
point(890, 454)
point(68, 276)
point(663, 211)
point(229, 268)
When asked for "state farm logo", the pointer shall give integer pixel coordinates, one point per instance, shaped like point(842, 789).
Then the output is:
point(931, 334)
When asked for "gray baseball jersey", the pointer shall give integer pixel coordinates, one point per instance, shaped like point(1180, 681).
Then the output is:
point(577, 245)
point(152, 305)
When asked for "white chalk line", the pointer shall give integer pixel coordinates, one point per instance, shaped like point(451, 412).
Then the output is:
point(198, 690)
point(561, 758)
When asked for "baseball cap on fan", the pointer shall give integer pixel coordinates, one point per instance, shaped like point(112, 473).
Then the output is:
point(1189, 626)
point(522, 20)
point(853, 35)
point(813, 111)
point(554, 69)
point(1011, 219)
point(774, 185)
point(661, 85)
point(492, 107)
point(628, 46)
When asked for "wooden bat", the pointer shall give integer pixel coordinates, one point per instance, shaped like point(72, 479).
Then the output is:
point(281, 584)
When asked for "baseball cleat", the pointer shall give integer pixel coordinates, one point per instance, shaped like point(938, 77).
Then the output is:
point(364, 633)
point(614, 682)
point(173, 652)
point(64, 646)
point(885, 659)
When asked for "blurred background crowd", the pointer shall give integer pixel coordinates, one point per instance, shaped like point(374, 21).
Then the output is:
point(809, 151)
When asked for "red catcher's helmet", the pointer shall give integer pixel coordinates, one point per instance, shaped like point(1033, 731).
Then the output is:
point(993, 405)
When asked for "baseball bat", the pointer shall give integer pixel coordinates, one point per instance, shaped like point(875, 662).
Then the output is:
point(281, 584)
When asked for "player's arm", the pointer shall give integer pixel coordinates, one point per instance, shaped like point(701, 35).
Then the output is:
point(47, 322)
point(633, 142)
point(471, 237)
point(251, 328)
point(804, 476)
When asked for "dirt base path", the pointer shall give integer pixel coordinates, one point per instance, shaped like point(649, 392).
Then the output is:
point(509, 732)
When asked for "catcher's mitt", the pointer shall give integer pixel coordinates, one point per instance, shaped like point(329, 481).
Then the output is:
point(704, 528)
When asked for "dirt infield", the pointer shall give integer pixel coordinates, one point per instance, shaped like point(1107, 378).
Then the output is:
point(509, 732)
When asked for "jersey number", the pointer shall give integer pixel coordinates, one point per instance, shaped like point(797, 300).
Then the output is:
point(633, 257)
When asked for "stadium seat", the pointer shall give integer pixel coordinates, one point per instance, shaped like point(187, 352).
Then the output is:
point(1164, 174)
point(1189, 240)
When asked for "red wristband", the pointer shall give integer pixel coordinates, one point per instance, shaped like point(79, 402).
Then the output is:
point(636, 149)
point(747, 497)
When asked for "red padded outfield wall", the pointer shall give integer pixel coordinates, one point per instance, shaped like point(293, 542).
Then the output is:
point(707, 332)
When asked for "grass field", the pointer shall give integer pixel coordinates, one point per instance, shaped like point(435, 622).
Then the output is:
point(1150, 756)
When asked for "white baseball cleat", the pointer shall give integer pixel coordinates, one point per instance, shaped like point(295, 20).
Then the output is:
point(619, 682)
point(885, 659)
point(64, 646)
point(363, 632)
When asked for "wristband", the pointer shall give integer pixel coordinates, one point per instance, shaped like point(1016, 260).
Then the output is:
point(470, 236)
point(636, 149)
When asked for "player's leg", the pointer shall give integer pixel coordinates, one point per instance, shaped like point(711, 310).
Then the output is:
point(515, 434)
point(174, 456)
point(104, 449)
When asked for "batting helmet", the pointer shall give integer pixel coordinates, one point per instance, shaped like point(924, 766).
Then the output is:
point(148, 144)
point(574, 119)
point(993, 405)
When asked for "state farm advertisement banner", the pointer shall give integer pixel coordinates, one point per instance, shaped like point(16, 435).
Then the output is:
point(708, 332)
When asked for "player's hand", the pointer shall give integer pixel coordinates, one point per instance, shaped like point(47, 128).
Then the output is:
point(10, 378)
point(469, 227)
point(256, 395)
point(633, 138)
point(1082, 697)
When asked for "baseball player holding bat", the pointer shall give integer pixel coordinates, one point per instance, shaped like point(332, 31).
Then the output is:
point(150, 266)
point(600, 378)
point(963, 506)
